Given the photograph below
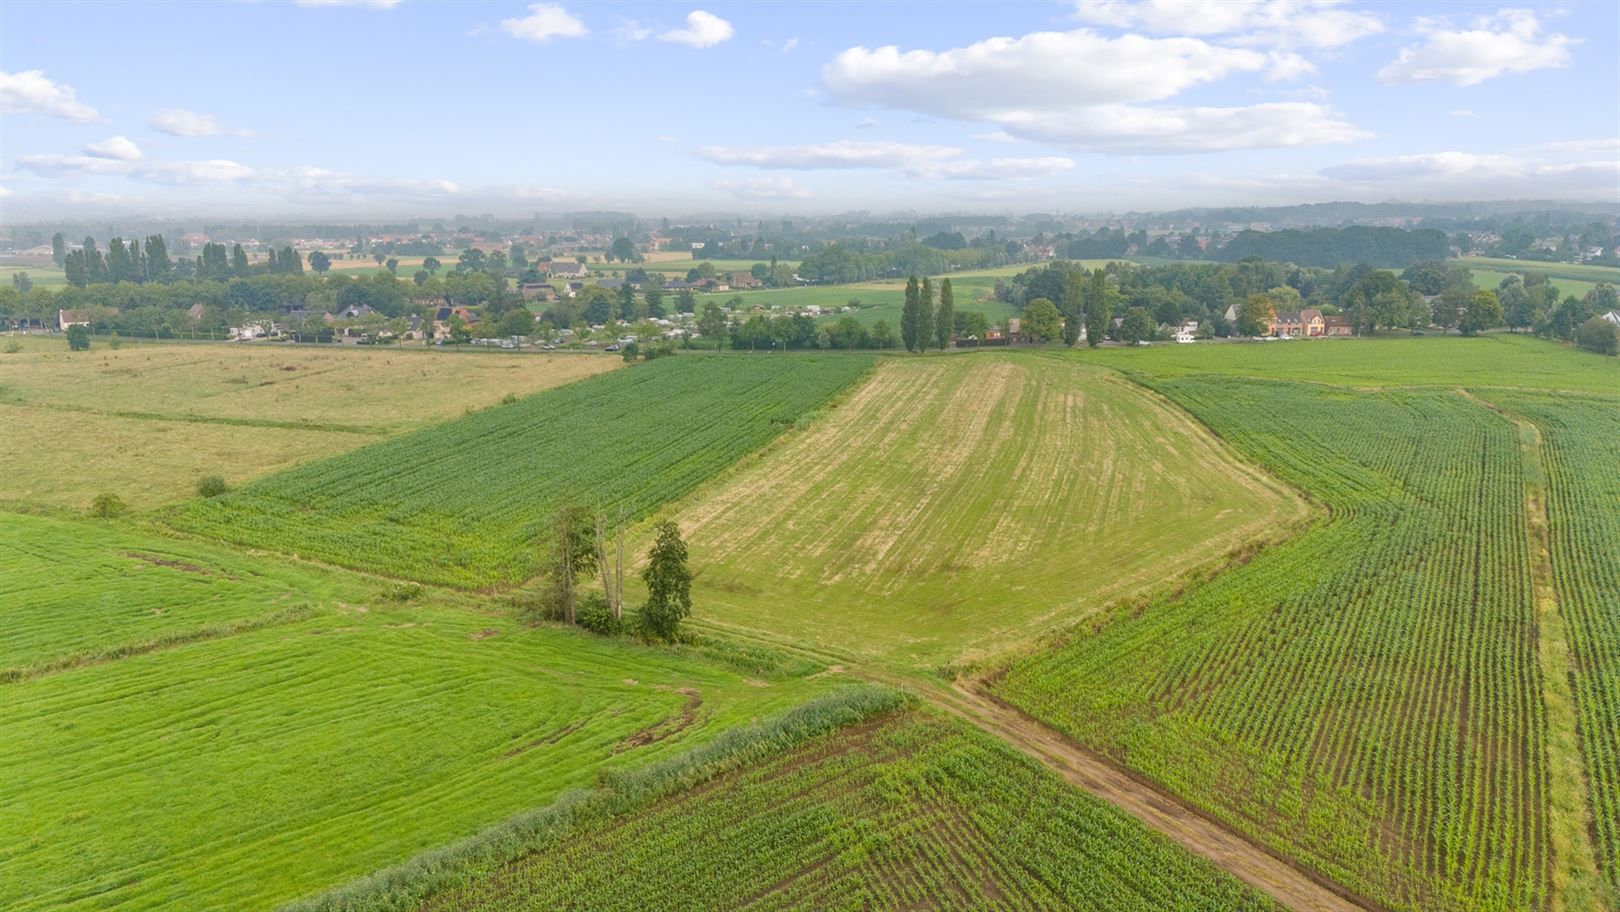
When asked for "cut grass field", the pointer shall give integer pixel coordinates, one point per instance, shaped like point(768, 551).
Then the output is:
point(910, 810)
point(146, 421)
point(251, 770)
point(954, 506)
point(76, 591)
point(1575, 272)
point(467, 503)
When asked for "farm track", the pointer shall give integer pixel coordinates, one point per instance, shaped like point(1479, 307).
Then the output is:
point(1293, 886)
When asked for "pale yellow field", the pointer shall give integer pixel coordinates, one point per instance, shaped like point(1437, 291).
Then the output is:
point(955, 506)
point(146, 421)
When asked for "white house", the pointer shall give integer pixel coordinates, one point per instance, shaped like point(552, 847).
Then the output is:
point(1613, 316)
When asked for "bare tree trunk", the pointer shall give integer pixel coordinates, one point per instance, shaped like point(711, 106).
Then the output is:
point(618, 599)
point(566, 583)
point(602, 561)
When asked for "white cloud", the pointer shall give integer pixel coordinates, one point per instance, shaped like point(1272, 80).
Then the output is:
point(939, 162)
point(1469, 174)
point(117, 147)
point(32, 91)
point(1302, 23)
point(215, 171)
point(1085, 90)
point(1462, 112)
point(703, 29)
point(5, 191)
point(630, 30)
point(845, 154)
point(1508, 41)
point(996, 136)
point(545, 22)
point(790, 44)
point(764, 188)
point(360, 4)
point(995, 168)
point(180, 122)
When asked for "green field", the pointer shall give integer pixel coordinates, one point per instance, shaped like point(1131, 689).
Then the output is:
point(1493, 360)
point(908, 811)
point(1580, 450)
point(1557, 272)
point(251, 770)
point(956, 505)
point(148, 420)
point(75, 591)
point(1366, 697)
point(41, 276)
point(466, 502)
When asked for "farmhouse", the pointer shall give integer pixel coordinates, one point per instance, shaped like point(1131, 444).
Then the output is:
point(66, 318)
point(566, 269)
point(742, 280)
point(1612, 316)
point(1337, 326)
point(538, 291)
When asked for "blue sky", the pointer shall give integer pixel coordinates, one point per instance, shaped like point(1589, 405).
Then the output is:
point(365, 109)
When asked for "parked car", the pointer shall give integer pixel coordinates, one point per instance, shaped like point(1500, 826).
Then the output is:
point(612, 348)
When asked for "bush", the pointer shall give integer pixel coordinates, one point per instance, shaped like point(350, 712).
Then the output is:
point(592, 613)
point(508, 399)
point(1599, 335)
point(211, 486)
point(402, 592)
point(108, 506)
point(13, 347)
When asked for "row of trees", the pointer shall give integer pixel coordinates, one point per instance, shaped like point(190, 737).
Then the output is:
point(922, 323)
point(583, 543)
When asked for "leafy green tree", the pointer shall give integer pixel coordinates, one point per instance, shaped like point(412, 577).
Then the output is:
point(517, 322)
point(1448, 308)
point(239, 261)
point(627, 302)
point(908, 314)
point(1598, 335)
point(712, 324)
point(945, 316)
point(1099, 308)
point(320, 262)
point(881, 335)
point(971, 324)
point(669, 584)
point(1484, 311)
point(58, 249)
point(21, 282)
point(572, 558)
point(431, 265)
point(159, 267)
point(1255, 316)
point(78, 337)
point(925, 315)
point(392, 265)
point(685, 301)
point(1041, 321)
point(1137, 326)
point(1074, 305)
point(596, 304)
point(653, 297)
point(623, 249)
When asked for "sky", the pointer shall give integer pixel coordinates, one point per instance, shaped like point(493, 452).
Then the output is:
point(414, 108)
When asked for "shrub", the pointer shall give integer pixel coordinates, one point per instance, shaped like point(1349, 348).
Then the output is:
point(1599, 335)
point(594, 614)
point(13, 347)
point(107, 506)
point(402, 592)
point(508, 399)
point(211, 486)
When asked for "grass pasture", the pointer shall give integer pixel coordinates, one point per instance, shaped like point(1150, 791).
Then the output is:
point(956, 504)
point(146, 421)
point(466, 502)
point(251, 770)
point(911, 810)
point(1511, 360)
point(77, 590)
point(1567, 276)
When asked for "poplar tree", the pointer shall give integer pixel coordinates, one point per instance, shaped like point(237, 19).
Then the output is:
point(908, 315)
point(925, 315)
point(1074, 305)
point(945, 316)
point(1097, 309)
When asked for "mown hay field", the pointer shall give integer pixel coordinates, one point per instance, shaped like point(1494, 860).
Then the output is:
point(911, 810)
point(251, 770)
point(955, 505)
point(147, 421)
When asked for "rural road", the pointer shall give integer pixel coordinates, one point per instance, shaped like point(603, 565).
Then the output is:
point(1226, 848)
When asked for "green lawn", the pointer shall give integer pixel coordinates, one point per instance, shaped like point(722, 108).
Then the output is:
point(955, 505)
point(1491, 279)
point(248, 771)
point(1575, 272)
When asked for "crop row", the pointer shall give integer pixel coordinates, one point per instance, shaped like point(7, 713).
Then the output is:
point(910, 811)
point(1366, 697)
point(465, 503)
point(1581, 455)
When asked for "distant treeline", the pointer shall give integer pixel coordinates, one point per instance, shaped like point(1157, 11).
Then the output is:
point(1385, 248)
